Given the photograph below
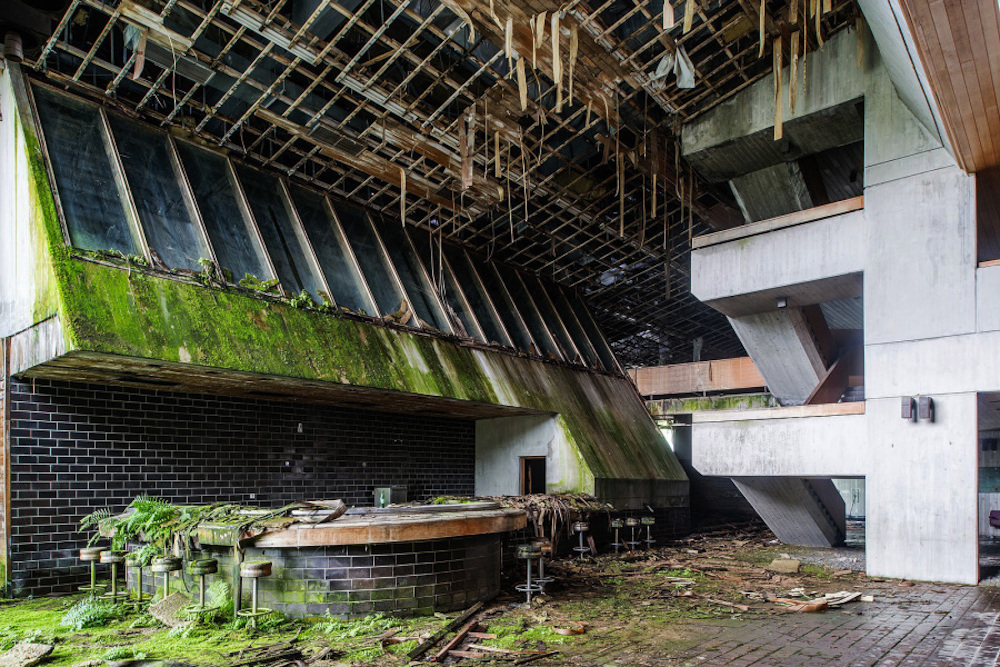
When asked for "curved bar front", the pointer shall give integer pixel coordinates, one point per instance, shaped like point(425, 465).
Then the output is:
point(398, 560)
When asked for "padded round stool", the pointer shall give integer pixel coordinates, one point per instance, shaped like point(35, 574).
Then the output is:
point(581, 527)
point(201, 568)
point(617, 524)
point(114, 559)
point(133, 562)
point(632, 523)
point(166, 565)
point(254, 570)
point(546, 552)
point(529, 552)
point(649, 522)
point(92, 555)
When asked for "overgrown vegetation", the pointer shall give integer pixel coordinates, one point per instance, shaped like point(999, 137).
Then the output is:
point(91, 613)
point(250, 281)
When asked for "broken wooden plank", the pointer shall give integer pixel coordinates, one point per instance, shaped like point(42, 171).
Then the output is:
point(422, 648)
point(454, 642)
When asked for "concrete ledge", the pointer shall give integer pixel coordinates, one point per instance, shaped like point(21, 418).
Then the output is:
point(780, 222)
point(825, 445)
point(791, 412)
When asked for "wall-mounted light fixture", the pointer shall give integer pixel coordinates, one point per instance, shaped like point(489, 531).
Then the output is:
point(921, 407)
point(925, 408)
point(782, 301)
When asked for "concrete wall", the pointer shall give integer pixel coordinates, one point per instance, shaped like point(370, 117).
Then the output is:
point(922, 492)
point(728, 275)
point(834, 446)
point(931, 328)
point(25, 278)
point(500, 443)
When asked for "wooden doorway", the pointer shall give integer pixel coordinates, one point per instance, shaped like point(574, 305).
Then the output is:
point(532, 474)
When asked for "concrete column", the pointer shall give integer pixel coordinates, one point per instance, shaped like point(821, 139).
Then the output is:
point(770, 192)
point(808, 512)
point(922, 491)
point(786, 349)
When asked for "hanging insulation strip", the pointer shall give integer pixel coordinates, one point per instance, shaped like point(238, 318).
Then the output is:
point(778, 101)
point(522, 84)
point(574, 49)
point(688, 16)
point(793, 71)
point(761, 15)
point(402, 195)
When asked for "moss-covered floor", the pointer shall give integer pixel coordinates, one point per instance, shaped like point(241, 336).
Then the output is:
point(698, 601)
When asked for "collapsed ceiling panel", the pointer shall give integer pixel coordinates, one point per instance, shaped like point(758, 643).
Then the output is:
point(537, 133)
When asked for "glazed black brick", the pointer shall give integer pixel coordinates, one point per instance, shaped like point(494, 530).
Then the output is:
point(346, 580)
point(76, 448)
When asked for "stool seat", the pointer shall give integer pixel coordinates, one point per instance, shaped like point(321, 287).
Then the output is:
point(166, 564)
point(253, 569)
point(631, 522)
point(113, 558)
point(617, 523)
point(648, 521)
point(202, 567)
point(134, 561)
point(92, 553)
point(109, 557)
point(529, 551)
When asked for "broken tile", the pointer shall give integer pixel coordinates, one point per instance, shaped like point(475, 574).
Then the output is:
point(25, 654)
point(167, 611)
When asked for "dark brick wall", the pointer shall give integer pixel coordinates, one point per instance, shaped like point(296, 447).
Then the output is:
point(78, 447)
point(401, 578)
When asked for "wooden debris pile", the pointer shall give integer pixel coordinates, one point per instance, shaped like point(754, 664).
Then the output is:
point(284, 654)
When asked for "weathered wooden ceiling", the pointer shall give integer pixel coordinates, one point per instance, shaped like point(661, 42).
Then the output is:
point(572, 174)
point(959, 43)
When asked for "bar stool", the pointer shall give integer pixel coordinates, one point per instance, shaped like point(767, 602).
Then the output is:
point(581, 527)
point(617, 524)
point(546, 552)
point(649, 522)
point(254, 570)
point(166, 565)
point(134, 562)
point(201, 568)
point(528, 553)
point(92, 555)
point(114, 559)
point(632, 523)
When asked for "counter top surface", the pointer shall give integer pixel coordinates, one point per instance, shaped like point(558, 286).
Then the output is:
point(375, 528)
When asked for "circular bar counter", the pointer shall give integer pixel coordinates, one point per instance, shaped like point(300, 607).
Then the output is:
point(409, 559)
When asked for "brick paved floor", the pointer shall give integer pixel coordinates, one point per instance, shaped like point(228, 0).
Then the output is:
point(928, 624)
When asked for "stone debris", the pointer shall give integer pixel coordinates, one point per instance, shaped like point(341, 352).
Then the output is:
point(25, 654)
point(168, 610)
point(785, 565)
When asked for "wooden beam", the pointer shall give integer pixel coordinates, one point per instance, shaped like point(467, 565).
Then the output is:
point(837, 378)
point(791, 412)
point(780, 222)
point(697, 377)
